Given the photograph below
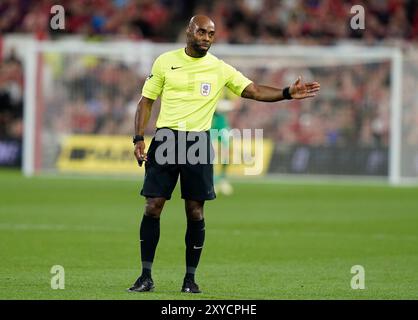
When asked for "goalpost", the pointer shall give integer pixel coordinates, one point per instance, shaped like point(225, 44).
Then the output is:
point(80, 95)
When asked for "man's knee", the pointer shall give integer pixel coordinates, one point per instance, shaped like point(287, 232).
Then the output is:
point(194, 210)
point(154, 207)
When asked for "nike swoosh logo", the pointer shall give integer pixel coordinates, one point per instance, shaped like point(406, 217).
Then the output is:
point(174, 68)
point(194, 247)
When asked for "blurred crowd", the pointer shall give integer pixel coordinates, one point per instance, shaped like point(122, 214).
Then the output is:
point(352, 108)
point(92, 95)
point(237, 21)
point(11, 98)
point(95, 96)
point(131, 19)
point(310, 21)
point(87, 95)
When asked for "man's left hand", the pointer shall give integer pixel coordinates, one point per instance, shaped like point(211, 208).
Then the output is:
point(301, 90)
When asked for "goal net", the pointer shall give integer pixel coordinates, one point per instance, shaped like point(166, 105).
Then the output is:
point(408, 132)
point(80, 102)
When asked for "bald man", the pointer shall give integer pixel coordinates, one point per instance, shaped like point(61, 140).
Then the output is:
point(190, 82)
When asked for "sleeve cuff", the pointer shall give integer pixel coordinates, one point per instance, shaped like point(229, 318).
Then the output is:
point(246, 84)
point(150, 95)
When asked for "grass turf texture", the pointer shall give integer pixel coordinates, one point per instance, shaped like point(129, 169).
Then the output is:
point(268, 241)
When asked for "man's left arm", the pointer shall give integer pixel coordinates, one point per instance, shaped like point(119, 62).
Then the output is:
point(298, 90)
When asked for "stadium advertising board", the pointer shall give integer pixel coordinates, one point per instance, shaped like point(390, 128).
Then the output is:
point(114, 155)
point(252, 162)
point(98, 154)
point(302, 159)
point(10, 153)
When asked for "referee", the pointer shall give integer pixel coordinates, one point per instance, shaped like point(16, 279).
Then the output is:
point(190, 82)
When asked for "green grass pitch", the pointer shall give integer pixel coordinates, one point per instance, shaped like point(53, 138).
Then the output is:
point(267, 241)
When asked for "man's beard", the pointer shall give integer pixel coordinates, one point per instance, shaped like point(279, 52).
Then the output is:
point(201, 51)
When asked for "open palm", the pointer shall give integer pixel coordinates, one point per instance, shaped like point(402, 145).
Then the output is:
point(301, 90)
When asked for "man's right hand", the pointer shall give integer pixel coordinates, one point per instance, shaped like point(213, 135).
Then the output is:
point(139, 152)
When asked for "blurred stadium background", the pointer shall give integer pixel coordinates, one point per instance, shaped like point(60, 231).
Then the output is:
point(67, 103)
point(86, 79)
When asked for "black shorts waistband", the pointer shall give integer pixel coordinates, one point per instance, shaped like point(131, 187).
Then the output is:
point(165, 133)
point(180, 142)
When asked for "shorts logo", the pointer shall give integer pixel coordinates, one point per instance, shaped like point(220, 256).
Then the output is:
point(205, 89)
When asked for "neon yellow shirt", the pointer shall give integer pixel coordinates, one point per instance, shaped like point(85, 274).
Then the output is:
point(190, 88)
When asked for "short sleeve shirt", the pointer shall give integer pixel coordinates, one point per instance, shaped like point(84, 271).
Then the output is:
point(190, 88)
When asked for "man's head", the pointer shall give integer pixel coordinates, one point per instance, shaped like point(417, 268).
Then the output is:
point(200, 34)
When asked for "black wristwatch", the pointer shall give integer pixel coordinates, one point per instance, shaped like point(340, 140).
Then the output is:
point(137, 138)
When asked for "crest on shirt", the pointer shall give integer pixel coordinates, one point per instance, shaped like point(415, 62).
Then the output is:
point(205, 89)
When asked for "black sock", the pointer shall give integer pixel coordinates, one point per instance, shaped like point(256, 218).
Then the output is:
point(149, 233)
point(195, 237)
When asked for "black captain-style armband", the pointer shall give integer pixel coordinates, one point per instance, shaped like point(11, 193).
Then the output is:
point(286, 93)
point(137, 138)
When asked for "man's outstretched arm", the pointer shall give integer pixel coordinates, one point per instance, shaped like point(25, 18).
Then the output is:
point(298, 90)
point(142, 115)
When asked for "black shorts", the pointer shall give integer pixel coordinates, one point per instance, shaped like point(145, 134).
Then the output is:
point(179, 153)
